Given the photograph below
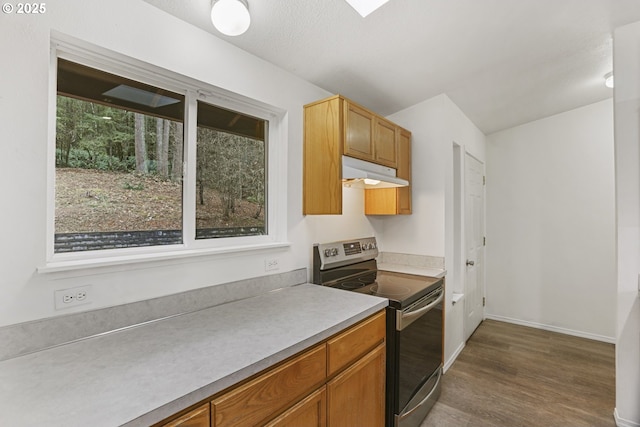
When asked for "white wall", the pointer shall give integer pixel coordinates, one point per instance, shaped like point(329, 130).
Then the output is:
point(136, 29)
point(551, 223)
point(436, 124)
point(626, 61)
point(422, 232)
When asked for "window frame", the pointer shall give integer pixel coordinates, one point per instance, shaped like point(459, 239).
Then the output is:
point(193, 90)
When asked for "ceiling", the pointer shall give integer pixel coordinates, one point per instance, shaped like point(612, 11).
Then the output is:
point(503, 62)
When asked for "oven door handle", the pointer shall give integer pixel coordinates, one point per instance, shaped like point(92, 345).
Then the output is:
point(404, 319)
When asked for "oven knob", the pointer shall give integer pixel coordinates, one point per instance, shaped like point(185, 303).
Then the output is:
point(372, 245)
point(327, 253)
point(365, 246)
point(334, 251)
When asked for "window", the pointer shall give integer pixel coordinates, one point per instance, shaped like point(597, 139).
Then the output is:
point(230, 174)
point(120, 147)
point(119, 150)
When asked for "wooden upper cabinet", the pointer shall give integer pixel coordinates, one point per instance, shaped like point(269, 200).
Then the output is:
point(334, 127)
point(404, 171)
point(358, 132)
point(393, 201)
point(369, 137)
point(322, 152)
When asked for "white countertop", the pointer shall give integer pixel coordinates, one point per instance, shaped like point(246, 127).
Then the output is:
point(408, 269)
point(144, 374)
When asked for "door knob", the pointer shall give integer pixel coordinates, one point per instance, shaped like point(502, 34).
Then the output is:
point(469, 262)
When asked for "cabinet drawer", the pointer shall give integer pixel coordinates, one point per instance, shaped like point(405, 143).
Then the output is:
point(199, 417)
point(261, 398)
point(350, 346)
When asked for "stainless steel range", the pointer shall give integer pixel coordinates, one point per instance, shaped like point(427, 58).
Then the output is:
point(414, 323)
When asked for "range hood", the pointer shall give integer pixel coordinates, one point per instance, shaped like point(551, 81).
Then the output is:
point(358, 173)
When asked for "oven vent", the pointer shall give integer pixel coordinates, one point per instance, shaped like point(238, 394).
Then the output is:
point(352, 248)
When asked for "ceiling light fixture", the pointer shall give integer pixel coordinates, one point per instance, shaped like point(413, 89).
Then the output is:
point(230, 17)
point(608, 79)
point(365, 7)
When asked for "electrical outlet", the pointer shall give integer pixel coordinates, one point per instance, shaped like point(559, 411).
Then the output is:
point(271, 264)
point(66, 298)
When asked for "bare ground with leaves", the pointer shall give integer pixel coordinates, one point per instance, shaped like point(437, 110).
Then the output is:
point(92, 200)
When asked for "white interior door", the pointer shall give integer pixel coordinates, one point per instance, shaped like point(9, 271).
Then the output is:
point(474, 244)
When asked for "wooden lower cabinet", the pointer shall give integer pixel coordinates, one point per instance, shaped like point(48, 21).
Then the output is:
point(352, 345)
point(199, 417)
point(339, 382)
point(259, 400)
point(310, 412)
point(356, 397)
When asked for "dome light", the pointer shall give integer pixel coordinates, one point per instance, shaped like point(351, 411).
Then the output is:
point(230, 17)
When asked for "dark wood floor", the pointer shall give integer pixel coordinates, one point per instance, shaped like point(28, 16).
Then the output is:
point(511, 376)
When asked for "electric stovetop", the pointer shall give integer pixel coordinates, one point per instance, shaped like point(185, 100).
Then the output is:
point(400, 288)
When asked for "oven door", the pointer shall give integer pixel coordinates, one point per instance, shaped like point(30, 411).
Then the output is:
point(419, 357)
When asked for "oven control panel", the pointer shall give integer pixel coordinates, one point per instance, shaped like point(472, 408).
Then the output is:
point(346, 252)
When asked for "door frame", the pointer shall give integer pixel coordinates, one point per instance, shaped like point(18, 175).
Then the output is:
point(455, 251)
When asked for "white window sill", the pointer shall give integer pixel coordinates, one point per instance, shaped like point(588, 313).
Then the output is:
point(83, 264)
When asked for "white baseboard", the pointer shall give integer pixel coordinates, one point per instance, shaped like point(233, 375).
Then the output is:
point(621, 422)
point(610, 340)
point(453, 357)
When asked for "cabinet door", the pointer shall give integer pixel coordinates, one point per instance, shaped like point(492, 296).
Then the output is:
point(385, 145)
point(199, 417)
point(381, 201)
point(322, 169)
point(310, 412)
point(358, 132)
point(393, 201)
point(356, 397)
point(404, 171)
point(269, 394)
